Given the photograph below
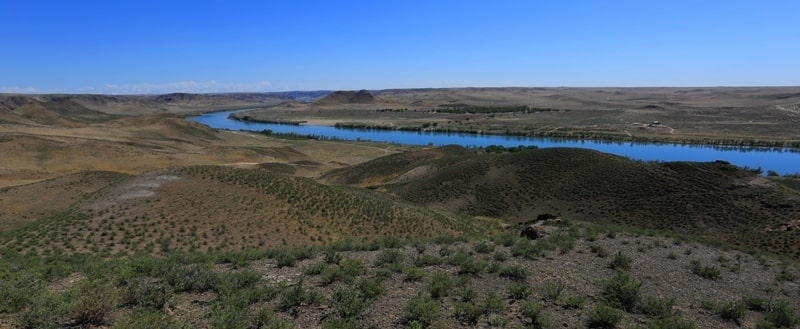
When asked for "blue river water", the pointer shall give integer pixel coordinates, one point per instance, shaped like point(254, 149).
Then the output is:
point(780, 160)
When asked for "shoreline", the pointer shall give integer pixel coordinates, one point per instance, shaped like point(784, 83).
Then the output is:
point(789, 145)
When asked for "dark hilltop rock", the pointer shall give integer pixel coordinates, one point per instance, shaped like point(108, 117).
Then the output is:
point(347, 97)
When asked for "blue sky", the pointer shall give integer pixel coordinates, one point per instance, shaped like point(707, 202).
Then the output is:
point(222, 46)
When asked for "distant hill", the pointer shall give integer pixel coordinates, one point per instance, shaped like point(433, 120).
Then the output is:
point(347, 97)
point(713, 199)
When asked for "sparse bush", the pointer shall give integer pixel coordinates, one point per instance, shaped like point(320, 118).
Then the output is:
point(708, 272)
point(296, 296)
point(494, 303)
point(786, 275)
point(440, 285)
point(371, 287)
point(348, 302)
point(599, 251)
point(46, 311)
point(413, 274)
point(574, 302)
point(553, 289)
point(147, 294)
point(471, 266)
point(659, 307)
point(332, 257)
point(673, 322)
point(316, 268)
point(781, 316)
point(422, 311)
point(92, 302)
point(426, 260)
point(146, 319)
point(604, 317)
point(285, 258)
point(500, 256)
point(514, 272)
point(390, 258)
point(733, 311)
point(755, 303)
point(622, 291)
point(532, 315)
point(469, 312)
point(265, 318)
point(519, 290)
point(483, 247)
point(620, 262)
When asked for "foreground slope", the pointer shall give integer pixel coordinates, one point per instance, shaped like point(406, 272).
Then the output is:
point(221, 208)
point(710, 199)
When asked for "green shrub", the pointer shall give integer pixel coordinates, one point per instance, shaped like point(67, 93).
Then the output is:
point(786, 275)
point(150, 319)
point(532, 315)
point(604, 317)
point(782, 316)
point(340, 324)
point(708, 272)
point(332, 257)
point(514, 272)
point(659, 307)
point(673, 322)
point(440, 285)
point(285, 259)
point(500, 256)
point(413, 274)
point(296, 296)
point(599, 251)
point(348, 302)
point(371, 287)
point(148, 294)
point(519, 290)
point(422, 311)
point(91, 303)
point(483, 247)
point(316, 268)
point(426, 260)
point(352, 267)
point(471, 266)
point(620, 262)
point(494, 303)
point(622, 291)
point(46, 310)
point(755, 303)
point(389, 257)
point(469, 312)
point(193, 278)
point(574, 302)
point(553, 289)
point(228, 317)
point(732, 311)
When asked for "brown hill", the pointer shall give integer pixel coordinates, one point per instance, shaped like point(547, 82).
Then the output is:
point(347, 97)
point(222, 208)
point(710, 199)
point(21, 205)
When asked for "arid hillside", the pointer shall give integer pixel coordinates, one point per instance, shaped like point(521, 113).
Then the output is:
point(708, 199)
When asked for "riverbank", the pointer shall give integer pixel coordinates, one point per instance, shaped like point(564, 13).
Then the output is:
point(560, 132)
point(769, 158)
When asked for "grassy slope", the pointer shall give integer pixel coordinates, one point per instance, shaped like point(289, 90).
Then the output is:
point(222, 208)
point(709, 199)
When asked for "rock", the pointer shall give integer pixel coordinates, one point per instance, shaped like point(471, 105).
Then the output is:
point(533, 231)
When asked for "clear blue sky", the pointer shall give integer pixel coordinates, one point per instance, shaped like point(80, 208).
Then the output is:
point(201, 46)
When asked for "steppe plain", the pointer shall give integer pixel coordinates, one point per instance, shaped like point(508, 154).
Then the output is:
point(115, 211)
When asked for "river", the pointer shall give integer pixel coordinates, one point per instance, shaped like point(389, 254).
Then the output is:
point(780, 160)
